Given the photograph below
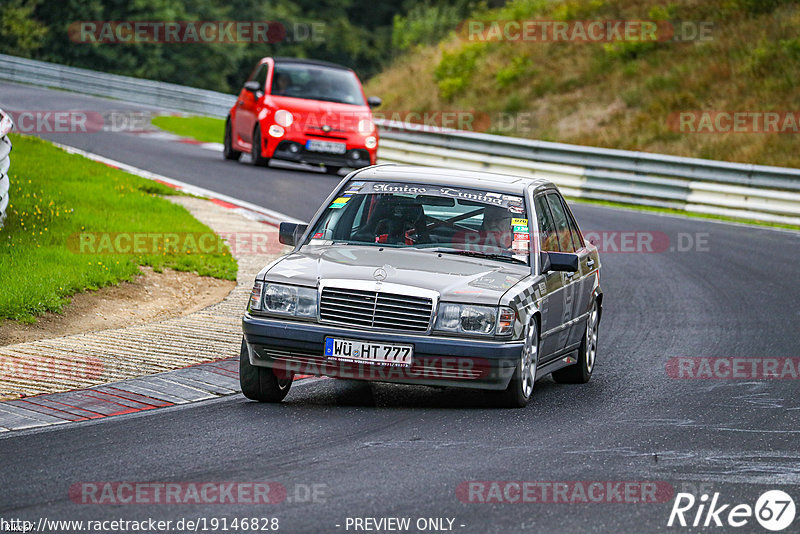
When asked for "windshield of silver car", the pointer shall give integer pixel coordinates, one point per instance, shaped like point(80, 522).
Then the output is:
point(424, 216)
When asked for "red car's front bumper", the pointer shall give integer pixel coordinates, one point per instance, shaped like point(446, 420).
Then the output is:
point(292, 146)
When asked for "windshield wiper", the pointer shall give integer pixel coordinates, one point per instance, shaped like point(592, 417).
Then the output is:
point(475, 253)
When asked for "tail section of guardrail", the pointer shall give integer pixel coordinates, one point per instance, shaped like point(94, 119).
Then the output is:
point(747, 191)
point(6, 125)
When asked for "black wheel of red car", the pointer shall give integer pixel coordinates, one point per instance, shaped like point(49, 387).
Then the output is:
point(581, 371)
point(227, 145)
point(520, 388)
point(261, 383)
point(256, 158)
point(332, 169)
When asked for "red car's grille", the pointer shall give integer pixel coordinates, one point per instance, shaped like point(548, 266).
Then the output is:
point(322, 136)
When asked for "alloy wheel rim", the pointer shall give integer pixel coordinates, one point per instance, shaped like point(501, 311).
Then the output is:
point(528, 363)
point(591, 339)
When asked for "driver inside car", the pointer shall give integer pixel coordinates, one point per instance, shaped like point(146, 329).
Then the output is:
point(281, 83)
point(400, 221)
point(496, 229)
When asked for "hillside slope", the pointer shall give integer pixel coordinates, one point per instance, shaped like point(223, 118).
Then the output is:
point(622, 94)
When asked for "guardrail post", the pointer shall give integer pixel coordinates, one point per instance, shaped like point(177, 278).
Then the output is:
point(6, 125)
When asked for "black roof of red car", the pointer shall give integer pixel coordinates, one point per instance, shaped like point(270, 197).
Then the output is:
point(309, 62)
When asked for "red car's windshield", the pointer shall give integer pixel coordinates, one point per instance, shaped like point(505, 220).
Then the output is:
point(315, 82)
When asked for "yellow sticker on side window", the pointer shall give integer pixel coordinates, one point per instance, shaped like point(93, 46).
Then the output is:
point(519, 222)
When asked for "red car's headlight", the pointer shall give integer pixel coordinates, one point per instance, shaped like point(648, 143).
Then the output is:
point(283, 118)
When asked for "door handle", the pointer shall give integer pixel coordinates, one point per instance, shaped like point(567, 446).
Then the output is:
point(590, 263)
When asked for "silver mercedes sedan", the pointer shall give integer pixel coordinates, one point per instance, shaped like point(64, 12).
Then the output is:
point(430, 276)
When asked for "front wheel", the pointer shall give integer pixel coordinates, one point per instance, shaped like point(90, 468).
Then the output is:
point(520, 388)
point(256, 159)
point(227, 145)
point(581, 372)
point(260, 383)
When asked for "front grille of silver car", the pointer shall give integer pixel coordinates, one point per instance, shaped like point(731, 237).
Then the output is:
point(375, 309)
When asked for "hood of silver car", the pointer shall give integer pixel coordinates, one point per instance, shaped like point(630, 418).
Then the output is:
point(456, 278)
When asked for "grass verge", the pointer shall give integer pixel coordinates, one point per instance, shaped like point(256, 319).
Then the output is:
point(628, 93)
point(204, 129)
point(58, 201)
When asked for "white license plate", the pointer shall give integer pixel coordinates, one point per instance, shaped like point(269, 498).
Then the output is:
point(329, 147)
point(354, 351)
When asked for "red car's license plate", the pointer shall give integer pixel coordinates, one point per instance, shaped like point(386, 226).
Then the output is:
point(329, 147)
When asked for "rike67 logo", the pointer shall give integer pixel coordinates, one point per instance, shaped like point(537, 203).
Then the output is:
point(774, 510)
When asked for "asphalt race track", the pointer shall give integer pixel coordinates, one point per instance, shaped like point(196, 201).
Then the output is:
point(374, 450)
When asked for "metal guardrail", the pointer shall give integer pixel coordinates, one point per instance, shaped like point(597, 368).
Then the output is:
point(152, 93)
point(6, 125)
point(639, 178)
point(690, 184)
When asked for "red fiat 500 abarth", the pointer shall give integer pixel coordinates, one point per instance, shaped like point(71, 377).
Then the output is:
point(304, 111)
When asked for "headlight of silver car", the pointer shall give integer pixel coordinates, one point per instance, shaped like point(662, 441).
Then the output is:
point(284, 300)
point(475, 320)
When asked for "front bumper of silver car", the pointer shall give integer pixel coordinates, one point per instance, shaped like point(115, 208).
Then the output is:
point(297, 347)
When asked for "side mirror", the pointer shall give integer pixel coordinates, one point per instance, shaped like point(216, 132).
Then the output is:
point(252, 86)
point(374, 101)
point(559, 261)
point(290, 233)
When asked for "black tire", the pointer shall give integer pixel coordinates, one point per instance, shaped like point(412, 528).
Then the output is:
point(332, 169)
point(520, 388)
point(227, 145)
point(256, 159)
point(260, 383)
point(581, 371)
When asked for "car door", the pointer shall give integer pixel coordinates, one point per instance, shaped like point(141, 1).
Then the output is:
point(247, 105)
point(583, 280)
point(571, 281)
point(552, 304)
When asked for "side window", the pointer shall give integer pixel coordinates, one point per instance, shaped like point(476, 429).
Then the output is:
point(577, 238)
point(360, 219)
point(548, 240)
point(560, 222)
point(261, 75)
